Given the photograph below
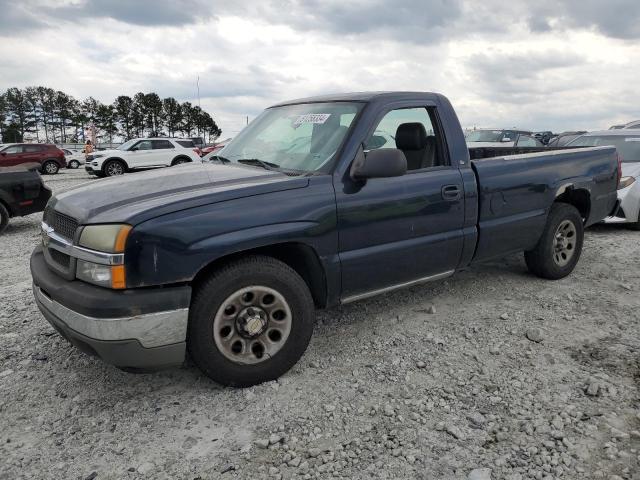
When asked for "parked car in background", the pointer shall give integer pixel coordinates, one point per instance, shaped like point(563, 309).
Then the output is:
point(632, 125)
point(141, 154)
point(215, 147)
point(50, 157)
point(491, 137)
point(562, 139)
point(230, 259)
point(74, 158)
point(22, 192)
point(544, 136)
point(627, 143)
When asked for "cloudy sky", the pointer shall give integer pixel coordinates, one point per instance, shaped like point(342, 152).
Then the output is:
point(548, 64)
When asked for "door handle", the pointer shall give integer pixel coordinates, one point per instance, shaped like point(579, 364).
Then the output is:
point(451, 192)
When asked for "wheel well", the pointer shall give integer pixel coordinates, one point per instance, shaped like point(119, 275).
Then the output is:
point(302, 258)
point(8, 208)
point(579, 198)
point(180, 157)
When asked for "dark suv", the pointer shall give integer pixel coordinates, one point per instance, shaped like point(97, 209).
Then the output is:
point(50, 157)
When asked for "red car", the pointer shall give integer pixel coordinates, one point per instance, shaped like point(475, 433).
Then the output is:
point(50, 157)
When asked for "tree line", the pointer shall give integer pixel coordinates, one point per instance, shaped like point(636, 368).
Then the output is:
point(43, 114)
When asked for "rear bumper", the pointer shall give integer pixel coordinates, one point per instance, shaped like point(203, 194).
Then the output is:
point(130, 328)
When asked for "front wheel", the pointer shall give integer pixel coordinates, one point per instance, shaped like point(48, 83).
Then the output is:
point(559, 248)
point(50, 167)
point(250, 322)
point(113, 168)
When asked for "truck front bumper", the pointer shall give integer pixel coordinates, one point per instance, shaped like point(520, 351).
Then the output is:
point(143, 329)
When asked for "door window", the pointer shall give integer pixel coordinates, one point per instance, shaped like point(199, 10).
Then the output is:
point(32, 148)
point(144, 145)
point(525, 141)
point(12, 150)
point(413, 131)
point(161, 144)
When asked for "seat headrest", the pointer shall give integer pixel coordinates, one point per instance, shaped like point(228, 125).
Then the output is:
point(411, 136)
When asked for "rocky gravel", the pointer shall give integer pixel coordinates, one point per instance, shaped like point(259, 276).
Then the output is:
point(492, 374)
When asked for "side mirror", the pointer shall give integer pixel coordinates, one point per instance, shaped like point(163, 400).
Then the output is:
point(3, 153)
point(381, 163)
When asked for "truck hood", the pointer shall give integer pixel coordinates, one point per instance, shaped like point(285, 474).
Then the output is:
point(137, 197)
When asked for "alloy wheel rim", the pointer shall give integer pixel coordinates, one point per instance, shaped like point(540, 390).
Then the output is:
point(51, 168)
point(564, 243)
point(252, 325)
point(114, 169)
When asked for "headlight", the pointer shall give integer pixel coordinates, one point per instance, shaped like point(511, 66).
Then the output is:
point(109, 276)
point(109, 239)
point(105, 238)
point(625, 182)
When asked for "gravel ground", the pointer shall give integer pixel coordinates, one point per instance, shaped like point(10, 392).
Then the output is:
point(493, 374)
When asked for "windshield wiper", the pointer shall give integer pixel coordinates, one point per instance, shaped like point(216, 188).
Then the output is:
point(259, 163)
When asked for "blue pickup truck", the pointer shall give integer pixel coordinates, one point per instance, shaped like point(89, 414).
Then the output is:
point(317, 202)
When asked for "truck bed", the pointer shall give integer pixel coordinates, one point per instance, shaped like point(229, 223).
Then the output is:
point(516, 190)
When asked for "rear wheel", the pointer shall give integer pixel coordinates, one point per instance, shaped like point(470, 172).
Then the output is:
point(50, 167)
point(250, 322)
point(4, 217)
point(74, 164)
point(559, 248)
point(179, 161)
point(113, 168)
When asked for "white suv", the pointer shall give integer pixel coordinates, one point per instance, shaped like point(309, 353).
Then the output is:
point(140, 154)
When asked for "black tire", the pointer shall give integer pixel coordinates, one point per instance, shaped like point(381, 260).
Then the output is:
point(74, 164)
point(180, 161)
point(113, 168)
point(548, 260)
point(209, 298)
point(50, 167)
point(4, 217)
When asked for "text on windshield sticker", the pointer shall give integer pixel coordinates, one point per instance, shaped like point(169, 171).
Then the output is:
point(318, 118)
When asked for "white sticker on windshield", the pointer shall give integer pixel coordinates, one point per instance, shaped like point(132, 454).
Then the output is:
point(632, 139)
point(318, 118)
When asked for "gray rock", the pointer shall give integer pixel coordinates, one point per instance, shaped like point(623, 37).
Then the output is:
point(314, 452)
point(431, 310)
point(593, 388)
point(262, 442)
point(504, 316)
point(146, 468)
point(420, 364)
point(455, 432)
point(480, 474)
point(535, 335)
point(275, 438)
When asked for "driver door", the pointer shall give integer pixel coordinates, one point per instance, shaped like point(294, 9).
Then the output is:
point(141, 155)
point(400, 230)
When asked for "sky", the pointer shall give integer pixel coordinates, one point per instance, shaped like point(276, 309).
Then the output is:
point(544, 65)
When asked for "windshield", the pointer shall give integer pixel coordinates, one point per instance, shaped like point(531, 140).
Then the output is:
point(485, 136)
point(628, 147)
point(127, 145)
point(302, 137)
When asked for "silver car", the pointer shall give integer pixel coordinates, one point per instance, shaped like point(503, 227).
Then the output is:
point(627, 143)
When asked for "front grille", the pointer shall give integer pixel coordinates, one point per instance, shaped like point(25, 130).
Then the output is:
point(62, 224)
point(60, 258)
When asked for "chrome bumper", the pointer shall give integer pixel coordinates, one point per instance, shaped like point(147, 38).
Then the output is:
point(150, 330)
